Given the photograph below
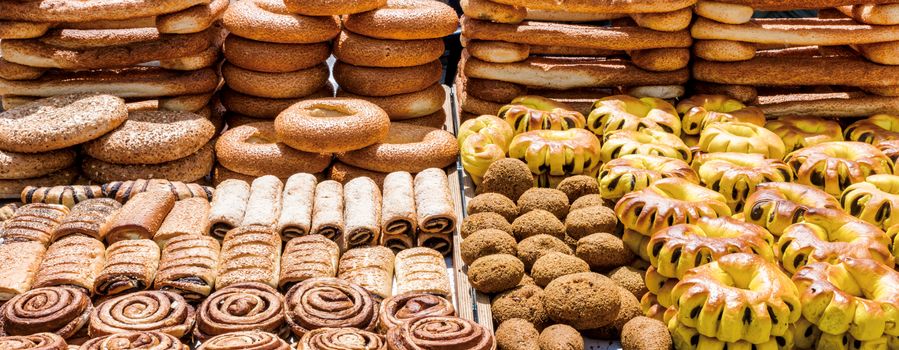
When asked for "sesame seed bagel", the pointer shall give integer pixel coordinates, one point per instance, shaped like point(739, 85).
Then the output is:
point(187, 103)
point(332, 7)
point(234, 120)
point(203, 59)
point(405, 20)
point(273, 57)
point(15, 71)
point(376, 81)
point(434, 120)
point(153, 137)
point(13, 188)
point(276, 85)
point(409, 148)
point(60, 122)
point(361, 50)
point(266, 108)
point(83, 11)
point(269, 21)
point(332, 125)
point(14, 165)
point(127, 82)
point(254, 149)
point(193, 19)
point(188, 169)
point(406, 106)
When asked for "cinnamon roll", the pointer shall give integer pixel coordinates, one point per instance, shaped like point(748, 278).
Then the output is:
point(442, 333)
point(362, 213)
point(188, 266)
point(241, 307)
point(308, 257)
point(296, 209)
point(141, 216)
point(130, 266)
point(89, 218)
point(39, 341)
point(371, 268)
point(150, 340)
point(60, 310)
point(249, 340)
point(398, 220)
point(155, 310)
point(422, 270)
point(250, 254)
point(19, 262)
point(327, 210)
point(327, 302)
point(67, 195)
point(33, 222)
point(435, 210)
point(402, 308)
point(188, 217)
point(123, 191)
point(73, 260)
point(229, 203)
point(341, 339)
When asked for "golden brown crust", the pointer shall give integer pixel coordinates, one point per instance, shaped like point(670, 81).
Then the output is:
point(802, 71)
point(14, 165)
point(22, 30)
point(332, 125)
point(265, 108)
point(15, 71)
point(361, 50)
point(62, 310)
point(188, 266)
point(669, 202)
point(408, 148)
point(422, 270)
point(621, 6)
point(68, 195)
point(491, 11)
point(19, 262)
point(342, 173)
point(795, 32)
point(836, 105)
point(73, 260)
point(332, 7)
point(238, 308)
point(130, 266)
point(154, 339)
point(38, 341)
point(800, 4)
point(634, 172)
point(13, 188)
point(402, 308)
point(306, 257)
point(405, 20)
point(407, 106)
point(82, 11)
point(276, 85)
point(833, 166)
point(128, 82)
point(172, 314)
point(33, 222)
point(255, 149)
point(273, 57)
point(377, 81)
point(188, 217)
point(270, 21)
point(249, 254)
point(153, 137)
point(370, 268)
point(188, 169)
point(349, 305)
point(90, 218)
point(141, 216)
point(297, 200)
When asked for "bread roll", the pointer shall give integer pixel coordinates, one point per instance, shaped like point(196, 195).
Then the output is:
point(362, 213)
point(141, 216)
point(308, 257)
point(398, 219)
point(264, 204)
point(188, 217)
point(327, 210)
point(188, 266)
point(422, 270)
point(229, 203)
point(435, 210)
point(90, 218)
point(130, 266)
point(33, 222)
point(250, 254)
point(296, 208)
point(19, 263)
point(371, 268)
point(72, 260)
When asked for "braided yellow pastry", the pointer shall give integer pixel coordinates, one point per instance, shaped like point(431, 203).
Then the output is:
point(651, 308)
point(482, 141)
point(890, 149)
point(833, 166)
point(702, 110)
point(737, 297)
point(873, 200)
point(776, 205)
point(634, 172)
point(893, 232)
point(826, 235)
point(646, 141)
point(660, 286)
point(669, 202)
point(637, 243)
point(799, 132)
point(735, 175)
point(553, 152)
point(528, 113)
point(624, 112)
point(742, 138)
point(687, 338)
point(875, 129)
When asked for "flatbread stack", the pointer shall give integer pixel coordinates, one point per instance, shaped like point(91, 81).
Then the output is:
point(842, 64)
point(571, 51)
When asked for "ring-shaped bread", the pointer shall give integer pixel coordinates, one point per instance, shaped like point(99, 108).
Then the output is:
point(736, 175)
point(482, 141)
point(637, 243)
point(687, 338)
point(834, 166)
point(625, 112)
point(254, 149)
point(891, 150)
point(557, 152)
point(528, 113)
point(799, 132)
point(660, 286)
point(777, 205)
point(332, 7)
point(634, 172)
point(741, 137)
point(645, 141)
point(738, 297)
point(407, 147)
point(669, 202)
point(270, 21)
point(700, 111)
point(874, 130)
point(331, 125)
point(405, 20)
point(874, 200)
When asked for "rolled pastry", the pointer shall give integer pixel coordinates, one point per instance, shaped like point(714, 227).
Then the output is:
point(149, 310)
point(241, 307)
point(7, 211)
point(69, 195)
point(264, 205)
point(188, 266)
point(398, 221)
point(135, 340)
point(362, 213)
point(188, 217)
point(402, 308)
point(250, 254)
point(422, 270)
point(88, 218)
point(327, 302)
point(130, 266)
point(229, 202)
point(62, 310)
point(33, 222)
point(371, 268)
point(341, 338)
point(72, 260)
point(435, 210)
point(327, 210)
point(123, 191)
point(308, 257)
point(19, 262)
point(296, 206)
point(141, 216)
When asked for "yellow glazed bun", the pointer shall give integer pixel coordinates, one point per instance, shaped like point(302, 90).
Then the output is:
point(646, 141)
point(634, 172)
point(736, 175)
point(741, 137)
point(624, 112)
point(668, 202)
point(834, 166)
point(873, 200)
point(799, 132)
point(528, 113)
point(482, 141)
point(702, 110)
point(776, 205)
point(555, 152)
point(876, 129)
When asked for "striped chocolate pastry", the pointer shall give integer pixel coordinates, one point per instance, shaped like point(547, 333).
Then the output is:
point(122, 191)
point(65, 195)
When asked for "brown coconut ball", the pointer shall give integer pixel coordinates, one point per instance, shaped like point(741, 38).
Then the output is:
point(495, 273)
point(487, 242)
point(630, 278)
point(526, 280)
point(493, 203)
point(590, 200)
point(483, 221)
point(578, 186)
point(532, 248)
point(603, 251)
point(551, 200)
point(644, 333)
point(537, 222)
point(585, 300)
point(509, 177)
point(561, 337)
point(525, 302)
point(630, 308)
point(587, 221)
point(517, 334)
point(555, 265)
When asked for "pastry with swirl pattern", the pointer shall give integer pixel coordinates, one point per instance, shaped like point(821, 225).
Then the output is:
point(241, 307)
point(402, 308)
point(441, 332)
point(329, 303)
point(155, 310)
point(63, 310)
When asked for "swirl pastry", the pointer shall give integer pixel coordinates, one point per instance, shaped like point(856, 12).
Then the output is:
point(250, 254)
point(7, 211)
point(700, 111)
point(399, 222)
point(61, 310)
point(327, 210)
point(147, 340)
point(441, 332)
point(435, 210)
point(124, 191)
point(873, 200)
point(421, 270)
point(33, 222)
point(308, 257)
point(874, 130)
point(241, 307)
point(189, 265)
point(669, 202)
point(264, 204)
point(296, 208)
point(188, 217)
point(229, 203)
point(833, 166)
point(557, 153)
point(527, 113)
point(155, 310)
point(402, 308)
point(362, 212)
point(130, 266)
point(646, 141)
point(247, 340)
point(688, 338)
point(19, 262)
point(799, 132)
point(90, 217)
point(482, 141)
point(37, 341)
point(371, 268)
point(329, 303)
point(72, 260)
point(625, 112)
point(634, 172)
point(741, 138)
point(141, 216)
point(64, 195)
point(776, 205)
point(736, 175)
point(341, 339)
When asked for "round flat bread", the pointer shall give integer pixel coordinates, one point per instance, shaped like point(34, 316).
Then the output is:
point(153, 137)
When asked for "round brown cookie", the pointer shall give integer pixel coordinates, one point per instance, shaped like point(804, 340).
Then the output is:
point(408, 148)
point(376, 81)
point(276, 85)
point(405, 20)
point(13, 188)
point(406, 106)
point(15, 165)
point(332, 7)
point(273, 57)
point(189, 169)
point(60, 122)
point(254, 149)
point(266, 108)
point(361, 50)
point(269, 21)
point(153, 137)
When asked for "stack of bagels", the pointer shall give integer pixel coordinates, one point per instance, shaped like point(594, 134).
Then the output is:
point(564, 51)
point(842, 64)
